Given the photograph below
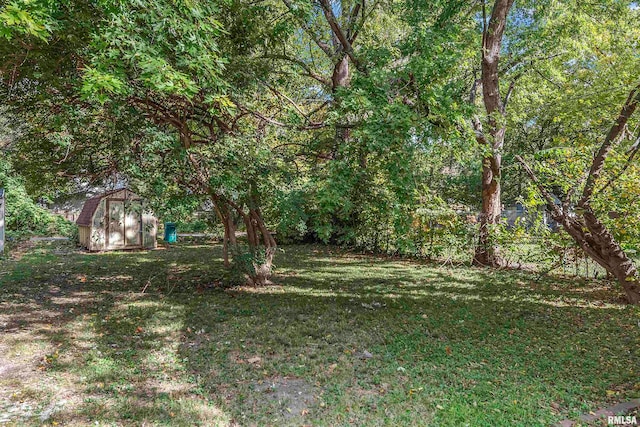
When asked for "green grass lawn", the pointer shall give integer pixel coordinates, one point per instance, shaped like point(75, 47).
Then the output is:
point(144, 338)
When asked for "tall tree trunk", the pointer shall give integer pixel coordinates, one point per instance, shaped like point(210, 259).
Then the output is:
point(231, 244)
point(225, 243)
point(340, 79)
point(487, 251)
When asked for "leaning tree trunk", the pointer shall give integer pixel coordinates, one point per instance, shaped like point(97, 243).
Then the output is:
point(598, 243)
point(610, 255)
point(595, 240)
point(487, 251)
point(583, 225)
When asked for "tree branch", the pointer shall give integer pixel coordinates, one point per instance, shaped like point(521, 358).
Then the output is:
point(509, 92)
point(632, 154)
point(551, 201)
point(610, 140)
point(309, 72)
point(335, 28)
point(323, 46)
point(274, 122)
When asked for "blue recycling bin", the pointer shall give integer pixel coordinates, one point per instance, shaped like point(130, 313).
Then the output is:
point(170, 233)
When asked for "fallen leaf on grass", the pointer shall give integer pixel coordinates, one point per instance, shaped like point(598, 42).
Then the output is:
point(415, 390)
point(364, 355)
point(255, 359)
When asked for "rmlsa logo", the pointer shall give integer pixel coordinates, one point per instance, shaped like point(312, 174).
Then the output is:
point(622, 420)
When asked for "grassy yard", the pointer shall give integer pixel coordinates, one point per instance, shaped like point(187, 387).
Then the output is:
point(145, 338)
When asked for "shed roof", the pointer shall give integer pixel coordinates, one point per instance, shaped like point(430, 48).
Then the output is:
point(90, 206)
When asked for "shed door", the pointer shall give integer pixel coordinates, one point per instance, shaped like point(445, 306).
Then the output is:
point(116, 223)
point(133, 224)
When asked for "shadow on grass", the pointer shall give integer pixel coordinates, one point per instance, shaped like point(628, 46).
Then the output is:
point(447, 346)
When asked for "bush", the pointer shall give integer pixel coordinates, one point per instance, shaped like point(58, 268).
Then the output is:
point(23, 216)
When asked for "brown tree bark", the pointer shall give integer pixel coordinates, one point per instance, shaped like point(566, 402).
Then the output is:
point(230, 243)
point(340, 77)
point(487, 251)
point(225, 246)
point(181, 115)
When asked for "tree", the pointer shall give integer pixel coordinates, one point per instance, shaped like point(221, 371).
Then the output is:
point(581, 222)
point(561, 123)
point(344, 121)
point(493, 138)
point(400, 107)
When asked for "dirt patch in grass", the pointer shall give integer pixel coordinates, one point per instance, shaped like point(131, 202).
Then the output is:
point(21, 395)
point(292, 396)
point(18, 249)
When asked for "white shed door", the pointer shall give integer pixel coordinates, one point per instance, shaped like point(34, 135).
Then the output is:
point(133, 224)
point(116, 223)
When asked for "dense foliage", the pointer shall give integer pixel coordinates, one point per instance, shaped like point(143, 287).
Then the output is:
point(24, 217)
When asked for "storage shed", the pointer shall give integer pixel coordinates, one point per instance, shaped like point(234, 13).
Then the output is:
point(116, 220)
